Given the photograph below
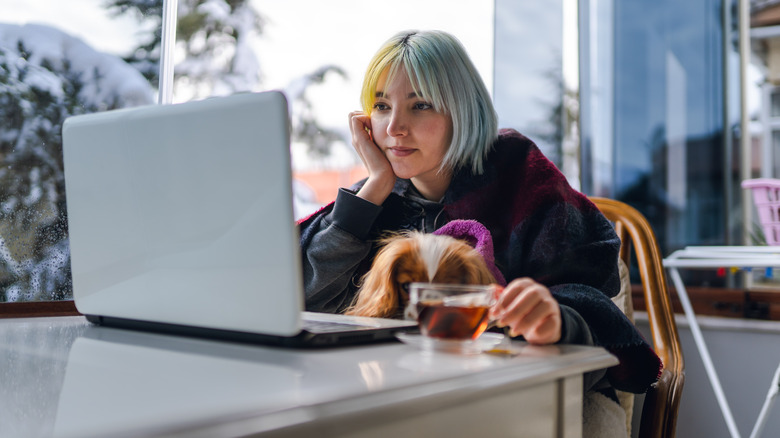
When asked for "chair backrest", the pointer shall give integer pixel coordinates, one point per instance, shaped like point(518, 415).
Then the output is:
point(659, 412)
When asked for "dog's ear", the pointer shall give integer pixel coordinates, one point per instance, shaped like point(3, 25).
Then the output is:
point(378, 295)
point(463, 264)
point(478, 271)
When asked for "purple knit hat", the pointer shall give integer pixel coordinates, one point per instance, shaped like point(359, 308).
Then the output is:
point(476, 235)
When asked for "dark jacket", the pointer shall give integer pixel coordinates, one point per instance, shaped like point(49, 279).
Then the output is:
point(541, 228)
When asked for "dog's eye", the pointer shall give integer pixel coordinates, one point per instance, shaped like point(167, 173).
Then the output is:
point(405, 287)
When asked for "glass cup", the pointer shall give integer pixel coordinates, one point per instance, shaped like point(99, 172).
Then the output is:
point(451, 311)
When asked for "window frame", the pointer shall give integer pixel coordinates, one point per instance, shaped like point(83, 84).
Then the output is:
point(30, 309)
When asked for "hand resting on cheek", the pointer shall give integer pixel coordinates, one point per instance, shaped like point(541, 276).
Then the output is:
point(380, 174)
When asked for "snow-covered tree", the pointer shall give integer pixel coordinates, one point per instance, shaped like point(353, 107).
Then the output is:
point(46, 76)
point(213, 37)
point(305, 126)
point(212, 41)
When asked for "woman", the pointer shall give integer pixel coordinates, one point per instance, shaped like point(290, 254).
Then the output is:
point(428, 137)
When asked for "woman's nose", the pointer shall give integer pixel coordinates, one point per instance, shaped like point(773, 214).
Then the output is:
point(398, 124)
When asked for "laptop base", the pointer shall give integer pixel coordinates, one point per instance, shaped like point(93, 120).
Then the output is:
point(302, 340)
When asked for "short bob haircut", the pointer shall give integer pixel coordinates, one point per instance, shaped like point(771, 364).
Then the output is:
point(442, 73)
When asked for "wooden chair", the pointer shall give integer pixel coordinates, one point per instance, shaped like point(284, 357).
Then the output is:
point(659, 412)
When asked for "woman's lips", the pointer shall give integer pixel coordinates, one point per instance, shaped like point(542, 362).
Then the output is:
point(401, 151)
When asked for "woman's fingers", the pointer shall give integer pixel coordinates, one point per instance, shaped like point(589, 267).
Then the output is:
point(362, 140)
point(529, 309)
point(508, 297)
point(546, 332)
point(380, 173)
point(360, 125)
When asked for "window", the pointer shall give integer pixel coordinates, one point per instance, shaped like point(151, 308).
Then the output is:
point(319, 57)
point(56, 60)
point(529, 72)
point(656, 137)
point(83, 56)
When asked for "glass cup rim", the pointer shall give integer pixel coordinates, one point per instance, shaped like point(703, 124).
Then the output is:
point(455, 287)
point(419, 292)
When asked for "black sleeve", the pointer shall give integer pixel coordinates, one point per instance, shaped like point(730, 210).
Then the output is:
point(574, 329)
point(334, 246)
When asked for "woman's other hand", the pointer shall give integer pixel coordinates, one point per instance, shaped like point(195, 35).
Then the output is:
point(381, 178)
point(529, 309)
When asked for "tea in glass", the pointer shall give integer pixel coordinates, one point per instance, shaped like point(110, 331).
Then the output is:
point(451, 311)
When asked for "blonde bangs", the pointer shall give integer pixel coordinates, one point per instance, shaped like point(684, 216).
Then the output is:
point(441, 73)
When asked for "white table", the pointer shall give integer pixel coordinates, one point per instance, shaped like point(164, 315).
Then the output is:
point(66, 378)
point(714, 257)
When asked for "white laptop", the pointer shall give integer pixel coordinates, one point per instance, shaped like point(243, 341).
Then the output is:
point(180, 219)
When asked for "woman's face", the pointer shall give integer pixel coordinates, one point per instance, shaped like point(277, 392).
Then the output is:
point(412, 135)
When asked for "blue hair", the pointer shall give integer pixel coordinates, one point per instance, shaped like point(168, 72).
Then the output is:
point(442, 73)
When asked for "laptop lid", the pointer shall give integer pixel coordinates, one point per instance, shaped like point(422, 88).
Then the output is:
point(181, 220)
point(182, 214)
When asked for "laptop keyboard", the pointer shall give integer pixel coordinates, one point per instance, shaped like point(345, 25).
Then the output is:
point(330, 327)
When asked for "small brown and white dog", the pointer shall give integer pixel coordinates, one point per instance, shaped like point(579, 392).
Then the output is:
point(413, 256)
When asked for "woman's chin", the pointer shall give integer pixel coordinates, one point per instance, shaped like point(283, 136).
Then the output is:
point(403, 172)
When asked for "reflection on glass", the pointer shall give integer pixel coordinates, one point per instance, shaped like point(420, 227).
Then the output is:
point(668, 117)
point(776, 149)
point(529, 89)
point(774, 106)
point(597, 97)
point(661, 115)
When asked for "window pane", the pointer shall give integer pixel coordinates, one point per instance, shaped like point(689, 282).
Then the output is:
point(316, 52)
point(776, 152)
point(597, 116)
point(774, 109)
point(668, 118)
point(70, 61)
point(529, 75)
point(95, 55)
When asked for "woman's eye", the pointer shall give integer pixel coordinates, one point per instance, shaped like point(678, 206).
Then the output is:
point(380, 106)
point(405, 287)
point(422, 106)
